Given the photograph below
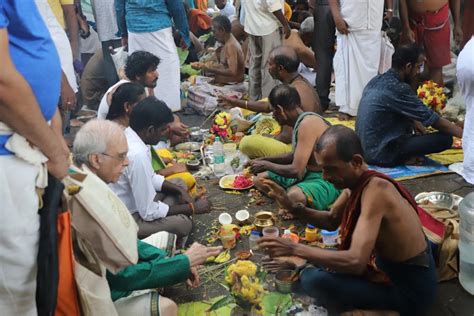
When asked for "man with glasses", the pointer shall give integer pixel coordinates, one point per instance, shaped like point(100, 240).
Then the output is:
point(137, 187)
point(391, 117)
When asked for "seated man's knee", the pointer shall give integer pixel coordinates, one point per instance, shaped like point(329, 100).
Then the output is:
point(296, 195)
point(168, 307)
point(446, 140)
point(316, 282)
point(185, 225)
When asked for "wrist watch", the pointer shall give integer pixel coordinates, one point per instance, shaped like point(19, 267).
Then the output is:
point(389, 10)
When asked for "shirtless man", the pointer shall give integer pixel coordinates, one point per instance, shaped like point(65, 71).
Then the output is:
point(231, 66)
point(283, 65)
point(379, 220)
point(426, 22)
point(297, 172)
point(301, 40)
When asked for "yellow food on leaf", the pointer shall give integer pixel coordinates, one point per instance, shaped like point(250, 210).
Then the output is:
point(223, 257)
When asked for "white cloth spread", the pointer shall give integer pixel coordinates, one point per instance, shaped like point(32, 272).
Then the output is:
point(465, 74)
point(138, 184)
point(357, 58)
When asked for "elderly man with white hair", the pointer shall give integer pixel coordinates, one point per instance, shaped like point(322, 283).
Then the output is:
point(102, 147)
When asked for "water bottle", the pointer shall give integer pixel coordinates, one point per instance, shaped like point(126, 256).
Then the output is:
point(219, 158)
point(466, 243)
point(253, 239)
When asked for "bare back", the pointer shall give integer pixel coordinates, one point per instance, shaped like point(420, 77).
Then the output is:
point(232, 58)
point(400, 235)
point(309, 98)
point(310, 129)
point(426, 5)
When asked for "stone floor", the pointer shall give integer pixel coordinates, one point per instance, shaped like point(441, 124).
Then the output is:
point(452, 298)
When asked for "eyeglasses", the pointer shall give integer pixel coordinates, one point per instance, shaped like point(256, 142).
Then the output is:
point(119, 157)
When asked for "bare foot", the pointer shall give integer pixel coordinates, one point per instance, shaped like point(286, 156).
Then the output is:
point(344, 116)
point(285, 214)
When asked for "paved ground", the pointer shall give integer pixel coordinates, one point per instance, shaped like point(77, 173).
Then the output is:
point(452, 299)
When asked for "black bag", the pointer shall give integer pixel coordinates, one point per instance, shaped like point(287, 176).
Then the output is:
point(48, 269)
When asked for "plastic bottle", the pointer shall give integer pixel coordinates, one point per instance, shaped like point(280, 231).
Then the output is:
point(310, 233)
point(287, 234)
point(219, 158)
point(466, 243)
point(253, 239)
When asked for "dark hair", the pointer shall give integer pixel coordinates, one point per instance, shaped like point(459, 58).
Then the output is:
point(286, 57)
point(347, 142)
point(223, 22)
point(150, 112)
point(139, 62)
point(285, 96)
point(405, 54)
point(127, 92)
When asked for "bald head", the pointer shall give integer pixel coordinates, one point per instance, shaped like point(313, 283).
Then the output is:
point(343, 140)
point(94, 138)
point(286, 57)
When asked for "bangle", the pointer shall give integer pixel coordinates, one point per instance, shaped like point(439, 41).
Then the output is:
point(389, 10)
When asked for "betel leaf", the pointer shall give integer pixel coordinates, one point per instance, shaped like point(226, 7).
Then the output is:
point(226, 300)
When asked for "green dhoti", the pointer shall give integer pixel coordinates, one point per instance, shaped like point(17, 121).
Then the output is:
point(320, 194)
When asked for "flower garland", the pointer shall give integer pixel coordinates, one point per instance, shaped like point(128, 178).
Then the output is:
point(221, 126)
point(432, 95)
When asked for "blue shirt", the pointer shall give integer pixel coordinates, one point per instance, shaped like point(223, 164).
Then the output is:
point(33, 53)
point(386, 112)
point(144, 16)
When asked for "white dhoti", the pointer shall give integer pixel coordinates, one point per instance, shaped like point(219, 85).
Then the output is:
point(357, 58)
point(465, 75)
point(19, 236)
point(161, 44)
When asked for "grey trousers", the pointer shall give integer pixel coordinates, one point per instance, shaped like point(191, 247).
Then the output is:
point(324, 39)
point(261, 82)
point(180, 225)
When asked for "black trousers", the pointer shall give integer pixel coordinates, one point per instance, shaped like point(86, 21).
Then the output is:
point(421, 145)
point(324, 39)
point(109, 70)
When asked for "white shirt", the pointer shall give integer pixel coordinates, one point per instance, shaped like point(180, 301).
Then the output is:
point(259, 19)
point(138, 184)
point(228, 10)
point(104, 105)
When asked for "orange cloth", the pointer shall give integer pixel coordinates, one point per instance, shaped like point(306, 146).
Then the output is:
point(68, 301)
point(199, 21)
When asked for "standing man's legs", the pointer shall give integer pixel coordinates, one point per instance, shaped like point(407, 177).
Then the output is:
point(19, 236)
point(109, 66)
point(323, 47)
point(269, 42)
point(255, 66)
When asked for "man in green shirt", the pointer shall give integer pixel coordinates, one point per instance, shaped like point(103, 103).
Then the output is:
point(102, 147)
